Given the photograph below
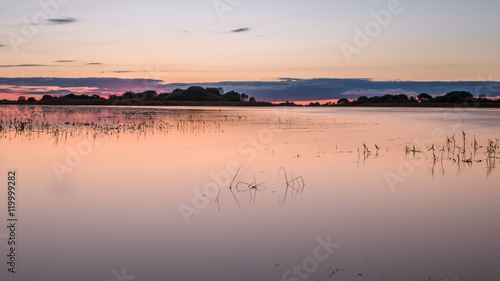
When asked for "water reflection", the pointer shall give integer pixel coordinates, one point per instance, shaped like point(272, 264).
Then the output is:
point(259, 187)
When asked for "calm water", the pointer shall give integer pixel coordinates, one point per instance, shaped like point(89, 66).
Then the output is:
point(113, 193)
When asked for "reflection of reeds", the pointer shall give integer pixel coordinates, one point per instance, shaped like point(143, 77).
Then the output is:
point(366, 151)
point(291, 183)
point(491, 149)
point(253, 188)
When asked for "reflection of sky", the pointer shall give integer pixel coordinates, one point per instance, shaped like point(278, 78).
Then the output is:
point(188, 41)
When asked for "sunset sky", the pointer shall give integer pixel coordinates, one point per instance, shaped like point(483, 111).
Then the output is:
point(165, 44)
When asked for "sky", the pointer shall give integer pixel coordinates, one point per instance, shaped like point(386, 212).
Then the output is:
point(320, 49)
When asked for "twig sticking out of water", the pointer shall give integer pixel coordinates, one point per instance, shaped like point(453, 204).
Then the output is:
point(291, 183)
point(433, 153)
point(366, 150)
point(252, 187)
point(231, 184)
point(217, 199)
point(414, 150)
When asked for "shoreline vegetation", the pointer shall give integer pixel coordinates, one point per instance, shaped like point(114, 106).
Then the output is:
point(199, 96)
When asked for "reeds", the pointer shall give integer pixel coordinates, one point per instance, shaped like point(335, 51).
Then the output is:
point(463, 153)
point(40, 125)
point(290, 184)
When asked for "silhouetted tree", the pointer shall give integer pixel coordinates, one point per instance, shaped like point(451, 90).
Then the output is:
point(48, 97)
point(455, 97)
point(232, 96)
point(401, 98)
point(343, 101)
point(252, 99)
point(214, 91)
point(424, 97)
point(21, 99)
point(129, 95)
point(363, 99)
point(31, 99)
point(149, 95)
point(195, 93)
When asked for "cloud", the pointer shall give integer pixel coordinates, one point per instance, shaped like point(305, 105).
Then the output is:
point(62, 21)
point(331, 88)
point(93, 63)
point(78, 85)
point(1, 45)
point(239, 30)
point(282, 89)
point(62, 61)
point(22, 65)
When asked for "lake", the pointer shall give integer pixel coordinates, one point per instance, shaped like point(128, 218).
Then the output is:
point(281, 193)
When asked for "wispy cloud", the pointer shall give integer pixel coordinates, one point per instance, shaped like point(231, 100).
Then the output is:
point(22, 65)
point(1, 45)
point(62, 21)
point(239, 30)
point(93, 63)
point(63, 61)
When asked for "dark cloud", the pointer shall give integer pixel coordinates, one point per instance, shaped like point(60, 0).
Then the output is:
point(64, 60)
point(1, 45)
point(22, 65)
point(282, 89)
point(239, 30)
point(329, 88)
point(100, 85)
point(62, 21)
point(93, 63)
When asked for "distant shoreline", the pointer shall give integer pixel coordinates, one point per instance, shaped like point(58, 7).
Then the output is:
point(143, 103)
point(199, 96)
point(252, 104)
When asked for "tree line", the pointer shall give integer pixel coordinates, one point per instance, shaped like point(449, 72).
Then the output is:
point(424, 99)
point(217, 96)
point(193, 93)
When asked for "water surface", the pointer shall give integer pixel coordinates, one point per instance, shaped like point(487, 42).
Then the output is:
point(200, 193)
